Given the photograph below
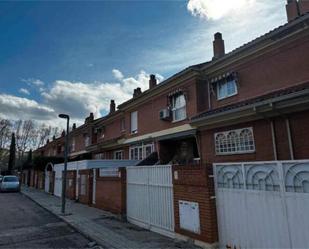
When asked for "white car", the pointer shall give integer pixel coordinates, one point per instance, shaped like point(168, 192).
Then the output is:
point(9, 183)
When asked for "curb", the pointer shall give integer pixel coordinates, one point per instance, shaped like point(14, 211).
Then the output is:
point(86, 235)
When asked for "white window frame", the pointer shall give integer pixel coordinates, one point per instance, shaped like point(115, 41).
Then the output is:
point(232, 143)
point(178, 108)
point(87, 140)
point(225, 84)
point(73, 144)
point(118, 152)
point(140, 151)
point(99, 156)
point(134, 122)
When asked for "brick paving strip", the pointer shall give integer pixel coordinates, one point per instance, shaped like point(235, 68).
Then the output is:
point(102, 227)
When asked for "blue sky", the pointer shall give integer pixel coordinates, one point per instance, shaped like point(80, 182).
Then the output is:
point(55, 55)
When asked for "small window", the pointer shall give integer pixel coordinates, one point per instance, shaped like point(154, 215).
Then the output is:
point(179, 107)
point(235, 142)
point(87, 140)
point(134, 122)
point(123, 125)
point(118, 155)
point(73, 144)
point(226, 89)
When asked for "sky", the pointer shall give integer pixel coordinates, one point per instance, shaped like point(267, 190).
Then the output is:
point(74, 57)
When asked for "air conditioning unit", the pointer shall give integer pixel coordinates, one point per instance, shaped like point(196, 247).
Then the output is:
point(165, 114)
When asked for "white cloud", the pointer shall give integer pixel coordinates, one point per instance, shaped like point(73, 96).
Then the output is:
point(33, 82)
point(78, 99)
point(24, 91)
point(13, 107)
point(216, 9)
point(117, 74)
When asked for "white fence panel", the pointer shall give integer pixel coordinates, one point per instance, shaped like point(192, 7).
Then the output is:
point(150, 198)
point(263, 204)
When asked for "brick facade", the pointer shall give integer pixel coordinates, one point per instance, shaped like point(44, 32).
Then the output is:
point(71, 184)
point(111, 193)
point(299, 123)
point(194, 184)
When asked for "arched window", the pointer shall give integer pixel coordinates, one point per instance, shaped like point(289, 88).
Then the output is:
point(246, 140)
point(235, 142)
point(220, 143)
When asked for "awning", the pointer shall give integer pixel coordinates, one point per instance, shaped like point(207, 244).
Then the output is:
point(179, 131)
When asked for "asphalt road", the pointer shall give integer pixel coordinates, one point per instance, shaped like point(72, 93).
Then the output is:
point(24, 224)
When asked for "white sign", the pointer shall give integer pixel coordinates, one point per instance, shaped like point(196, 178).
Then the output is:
point(189, 216)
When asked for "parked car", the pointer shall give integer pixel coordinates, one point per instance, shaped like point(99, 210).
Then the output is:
point(1, 177)
point(9, 183)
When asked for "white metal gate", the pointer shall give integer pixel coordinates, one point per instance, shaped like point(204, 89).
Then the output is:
point(150, 198)
point(263, 204)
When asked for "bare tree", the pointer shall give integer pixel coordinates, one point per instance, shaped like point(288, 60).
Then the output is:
point(43, 133)
point(5, 131)
point(25, 136)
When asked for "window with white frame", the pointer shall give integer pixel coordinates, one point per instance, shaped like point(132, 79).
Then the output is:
point(99, 156)
point(73, 144)
point(87, 140)
point(235, 142)
point(118, 155)
point(141, 152)
point(122, 124)
point(134, 122)
point(179, 107)
point(226, 89)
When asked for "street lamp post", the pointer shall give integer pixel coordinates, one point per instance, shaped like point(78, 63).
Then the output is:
point(64, 177)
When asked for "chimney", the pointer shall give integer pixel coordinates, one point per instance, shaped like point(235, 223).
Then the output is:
point(90, 118)
point(47, 141)
point(137, 92)
point(63, 133)
point(74, 126)
point(292, 10)
point(218, 45)
point(303, 6)
point(152, 81)
point(112, 106)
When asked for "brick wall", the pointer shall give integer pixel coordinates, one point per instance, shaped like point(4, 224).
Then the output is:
point(148, 111)
point(299, 123)
point(281, 68)
point(71, 184)
point(194, 185)
point(86, 198)
point(111, 193)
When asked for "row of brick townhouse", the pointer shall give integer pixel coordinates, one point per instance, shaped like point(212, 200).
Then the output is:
point(250, 104)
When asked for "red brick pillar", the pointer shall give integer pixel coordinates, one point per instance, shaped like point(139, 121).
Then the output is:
point(193, 184)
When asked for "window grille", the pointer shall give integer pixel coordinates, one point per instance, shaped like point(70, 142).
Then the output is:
point(235, 142)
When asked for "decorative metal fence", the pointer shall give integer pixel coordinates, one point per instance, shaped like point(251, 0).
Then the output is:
point(263, 204)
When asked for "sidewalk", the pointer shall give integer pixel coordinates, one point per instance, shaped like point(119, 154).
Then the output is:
point(103, 227)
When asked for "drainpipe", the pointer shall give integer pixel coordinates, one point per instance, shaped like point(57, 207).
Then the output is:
point(274, 140)
point(209, 100)
point(288, 127)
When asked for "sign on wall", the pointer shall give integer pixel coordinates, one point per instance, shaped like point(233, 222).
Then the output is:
point(189, 216)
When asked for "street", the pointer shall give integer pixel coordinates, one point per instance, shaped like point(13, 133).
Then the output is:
point(24, 224)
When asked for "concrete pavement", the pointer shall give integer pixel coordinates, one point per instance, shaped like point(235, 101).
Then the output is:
point(23, 224)
point(103, 227)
